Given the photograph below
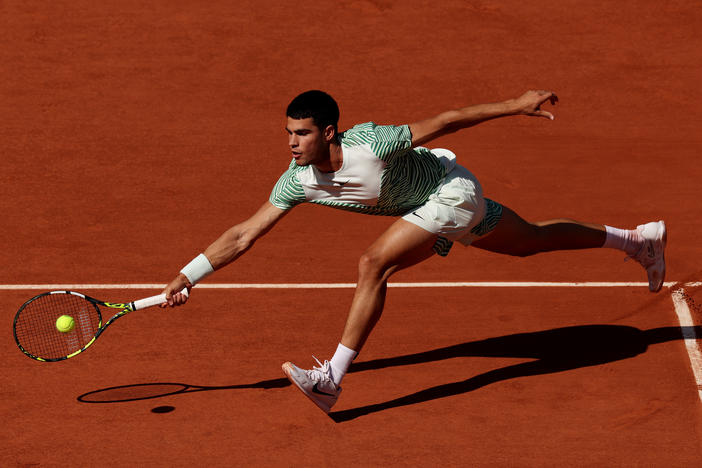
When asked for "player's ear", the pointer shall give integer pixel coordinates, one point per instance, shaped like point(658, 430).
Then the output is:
point(329, 133)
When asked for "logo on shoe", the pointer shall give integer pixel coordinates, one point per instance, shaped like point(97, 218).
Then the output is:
point(316, 390)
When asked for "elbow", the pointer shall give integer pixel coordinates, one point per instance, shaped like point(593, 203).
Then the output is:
point(229, 247)
point(449, 122)
point(452, 121)
point(244, 239)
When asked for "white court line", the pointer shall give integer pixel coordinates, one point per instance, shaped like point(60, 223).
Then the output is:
point(681, 307)
point(687, 324)
point(468, 284)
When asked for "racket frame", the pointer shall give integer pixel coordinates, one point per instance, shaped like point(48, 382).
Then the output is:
point(126, 307)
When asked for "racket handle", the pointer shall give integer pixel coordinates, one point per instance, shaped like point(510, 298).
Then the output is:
point(153, 300)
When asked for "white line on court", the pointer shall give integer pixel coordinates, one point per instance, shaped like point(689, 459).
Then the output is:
point(689, 335)
point(467, 284)
point(679, 302)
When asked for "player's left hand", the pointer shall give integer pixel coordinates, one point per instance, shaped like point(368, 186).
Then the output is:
point(530, 103)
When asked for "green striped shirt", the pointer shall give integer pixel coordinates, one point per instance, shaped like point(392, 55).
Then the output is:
point(381, 174)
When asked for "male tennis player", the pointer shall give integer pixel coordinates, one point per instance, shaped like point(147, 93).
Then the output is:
point(384, 170)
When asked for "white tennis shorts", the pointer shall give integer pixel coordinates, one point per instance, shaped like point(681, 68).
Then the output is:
point(455, 210)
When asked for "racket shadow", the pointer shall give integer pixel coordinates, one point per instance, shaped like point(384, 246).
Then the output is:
point(148, 391)
point(550, 351)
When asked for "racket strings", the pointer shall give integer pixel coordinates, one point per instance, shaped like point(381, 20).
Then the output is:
point(35, 327)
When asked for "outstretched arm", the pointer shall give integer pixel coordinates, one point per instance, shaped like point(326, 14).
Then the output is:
point(451, 121)
point(230, 246)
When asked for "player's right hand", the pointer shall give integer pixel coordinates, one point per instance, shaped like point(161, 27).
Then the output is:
point(174, 297)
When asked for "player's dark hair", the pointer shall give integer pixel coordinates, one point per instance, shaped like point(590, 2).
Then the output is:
point(316, 104)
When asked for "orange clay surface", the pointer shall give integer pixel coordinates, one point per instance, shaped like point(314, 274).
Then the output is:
point(134, 133)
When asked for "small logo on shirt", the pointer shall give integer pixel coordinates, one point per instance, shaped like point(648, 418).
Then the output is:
point(340, 184)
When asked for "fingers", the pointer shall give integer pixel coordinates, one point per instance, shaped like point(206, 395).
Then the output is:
point(174, 296)
point(544, 96)
point(179, 299)
point(545, 114)
point(547, 95)
point(174, 300)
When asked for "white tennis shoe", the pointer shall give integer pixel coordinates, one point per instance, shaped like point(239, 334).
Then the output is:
point(316, 384)
point(651, 255)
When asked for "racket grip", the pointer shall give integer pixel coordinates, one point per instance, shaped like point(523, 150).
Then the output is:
point(153, 300)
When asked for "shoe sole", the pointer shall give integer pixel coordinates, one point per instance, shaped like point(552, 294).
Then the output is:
point(288, 369)
point(662, 237)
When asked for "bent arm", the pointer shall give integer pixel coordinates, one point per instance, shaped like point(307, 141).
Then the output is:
point(233, 243)
point(451, 121)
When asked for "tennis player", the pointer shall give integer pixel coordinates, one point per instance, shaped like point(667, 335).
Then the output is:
point(385, 170)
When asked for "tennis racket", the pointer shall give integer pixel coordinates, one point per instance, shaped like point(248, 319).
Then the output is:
point(35, 327)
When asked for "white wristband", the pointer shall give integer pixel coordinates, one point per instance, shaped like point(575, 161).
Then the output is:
point(198, 269)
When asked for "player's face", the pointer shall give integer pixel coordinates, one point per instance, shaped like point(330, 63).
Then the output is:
point(307, 142)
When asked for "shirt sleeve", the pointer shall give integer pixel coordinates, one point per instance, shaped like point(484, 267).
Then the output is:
point(288, 191)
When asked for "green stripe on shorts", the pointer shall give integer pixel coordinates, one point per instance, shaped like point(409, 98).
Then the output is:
point(442, 246)
point(493, 214)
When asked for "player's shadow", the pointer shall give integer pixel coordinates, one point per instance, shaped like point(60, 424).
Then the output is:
point(551, 351)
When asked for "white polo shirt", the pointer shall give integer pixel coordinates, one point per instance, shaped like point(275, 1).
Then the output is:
point(381, 174)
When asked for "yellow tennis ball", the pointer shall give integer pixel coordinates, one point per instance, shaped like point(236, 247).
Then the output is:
point(65, 323)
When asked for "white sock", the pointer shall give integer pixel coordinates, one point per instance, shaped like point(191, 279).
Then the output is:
point(340, 362)
point(627, 240)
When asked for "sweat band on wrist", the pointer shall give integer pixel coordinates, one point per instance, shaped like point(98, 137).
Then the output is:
point(198, 269)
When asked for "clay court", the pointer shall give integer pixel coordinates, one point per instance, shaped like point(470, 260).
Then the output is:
point(134, 133)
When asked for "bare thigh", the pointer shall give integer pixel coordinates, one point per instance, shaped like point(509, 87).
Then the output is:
point(402, 245)
point(509, 236)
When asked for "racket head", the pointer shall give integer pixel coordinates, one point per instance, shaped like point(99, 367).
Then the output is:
point(35, 331)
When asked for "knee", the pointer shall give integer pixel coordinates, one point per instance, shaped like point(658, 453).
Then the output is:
point(372, 265)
